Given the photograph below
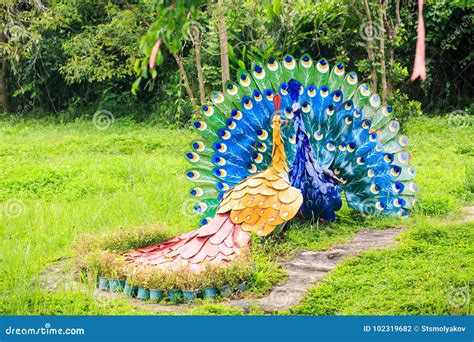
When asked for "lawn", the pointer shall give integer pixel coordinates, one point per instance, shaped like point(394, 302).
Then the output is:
point(59, 181)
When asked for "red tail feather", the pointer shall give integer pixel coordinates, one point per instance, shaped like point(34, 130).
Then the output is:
point(217, 242)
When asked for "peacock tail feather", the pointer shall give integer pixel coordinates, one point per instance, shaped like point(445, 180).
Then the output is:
point(339, 138)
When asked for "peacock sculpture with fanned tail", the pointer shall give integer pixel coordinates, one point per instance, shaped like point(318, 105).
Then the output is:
point(288, 138)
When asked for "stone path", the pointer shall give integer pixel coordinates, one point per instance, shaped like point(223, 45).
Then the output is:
point(468, 214)
point(311, 267)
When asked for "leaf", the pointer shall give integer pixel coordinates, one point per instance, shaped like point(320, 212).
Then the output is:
point(136, 85)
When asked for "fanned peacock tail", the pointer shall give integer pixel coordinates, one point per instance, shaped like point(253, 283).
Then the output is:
point(340, 138)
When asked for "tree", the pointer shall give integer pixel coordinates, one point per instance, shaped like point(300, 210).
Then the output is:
point(3, 94)
point(196, 37)
point(17, 40)
point(383, 69)
point(173, 28)
point(223, 44)
point(370, 46)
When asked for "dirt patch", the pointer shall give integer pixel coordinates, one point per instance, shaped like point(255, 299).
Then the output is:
point(468, 214)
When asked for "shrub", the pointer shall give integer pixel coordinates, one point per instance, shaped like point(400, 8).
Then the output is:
point(156, 279)
point(118, 242)
point(233, 273)
point(126, 239)
point(170, 281)
point(106, 264)
point(136, 276)
point(187, 280)
point(209, 276)
point(404, 108)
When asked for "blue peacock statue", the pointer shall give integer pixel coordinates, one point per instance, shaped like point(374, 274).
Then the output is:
point(287, 138)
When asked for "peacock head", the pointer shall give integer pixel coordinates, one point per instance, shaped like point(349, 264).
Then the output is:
point(276, 122)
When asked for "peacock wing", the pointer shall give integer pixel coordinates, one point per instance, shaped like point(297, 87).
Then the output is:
point(260, 204)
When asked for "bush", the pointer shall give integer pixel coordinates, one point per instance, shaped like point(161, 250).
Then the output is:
point(106, 264)
point(209, 276)
point(188, 280)
point(124, 240)
point(404, 108)
point(235, 272)
point(136, 276)
point(155, 279)
point(118, 242)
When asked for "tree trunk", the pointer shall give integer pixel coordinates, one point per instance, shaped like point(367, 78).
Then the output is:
point(392, 36)
point(223, 45)
point(184, 77)
point(197, 47)
point(3, 94)
point(3, 67)
point(370, 47)
point(383, 68)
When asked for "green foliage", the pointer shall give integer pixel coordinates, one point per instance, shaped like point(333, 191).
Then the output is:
point(157, 280)
point(442, 157)
point(438, 206)
point(136, 276)
point(172, 26)
point(75, 57)
point(186, 281)
point(105, 264)
point(107, 50)
point(237, 271)
point(404, 108)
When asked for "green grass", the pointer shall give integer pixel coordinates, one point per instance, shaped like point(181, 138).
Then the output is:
point(428, 272)
point(71, 179)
